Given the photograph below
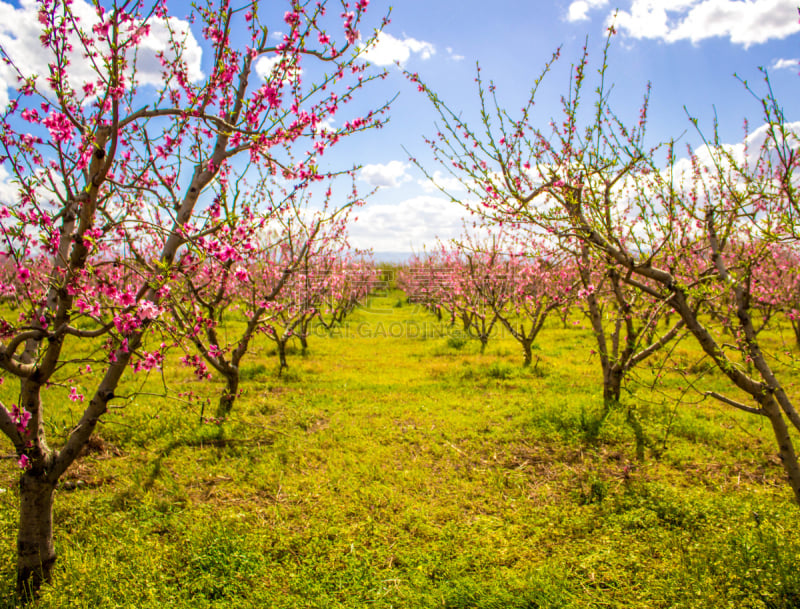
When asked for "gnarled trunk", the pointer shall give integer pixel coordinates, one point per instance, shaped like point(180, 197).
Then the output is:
point(612, 392)
point(772, 410)
point(282, 355)
point(612, 384)
point(528, 352)
point(35, 551)
point(230, 393)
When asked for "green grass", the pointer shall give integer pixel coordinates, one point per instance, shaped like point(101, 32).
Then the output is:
point(396, 466)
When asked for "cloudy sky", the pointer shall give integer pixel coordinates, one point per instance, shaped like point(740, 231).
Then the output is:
point(688, 50)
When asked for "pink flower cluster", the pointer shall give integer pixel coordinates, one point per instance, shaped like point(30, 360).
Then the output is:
point(196, 362)
point(59, 126)
point(149, 360)
point(21, 418)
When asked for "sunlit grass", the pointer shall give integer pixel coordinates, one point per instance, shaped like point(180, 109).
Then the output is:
point(393, 465)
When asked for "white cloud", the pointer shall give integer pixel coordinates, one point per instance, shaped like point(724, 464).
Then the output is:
point(748, 153)
point(391, 174)
point(782, 64)
point(453, 55)
point(388, 50)
point(410, 224)
point(753, 147)
point(266, 67)
point(19, 35)
point(326, 124)
point(148, 67)
point(577, 10)
point(4, 86)
point(8, 191)
point(449, 183)
point(743, 23)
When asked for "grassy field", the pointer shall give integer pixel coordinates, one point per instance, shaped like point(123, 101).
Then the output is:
point(393, 465)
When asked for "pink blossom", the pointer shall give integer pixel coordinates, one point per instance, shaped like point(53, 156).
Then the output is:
point(21, 418)
point(30, 115)
point(126, 324)
point(200, 368)
point(148, 310)
point(292, 18)
point(150, 360)
point(59, 126)
point(126, 299)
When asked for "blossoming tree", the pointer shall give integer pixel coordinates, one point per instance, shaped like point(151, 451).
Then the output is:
point(113, 171)
point(243, 268)
point(687, 235)
point(521, 283)
point(511, 166)
point(312, 242)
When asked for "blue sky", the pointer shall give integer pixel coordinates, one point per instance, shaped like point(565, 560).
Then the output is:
point(688, 49)
point(689, 54)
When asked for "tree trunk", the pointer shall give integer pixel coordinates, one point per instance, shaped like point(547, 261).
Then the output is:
point(282, 355)
point(526, 349)
point(35, 551)
point(612, 392)
point(230, 393)
point(788, 456)
point(612, 384)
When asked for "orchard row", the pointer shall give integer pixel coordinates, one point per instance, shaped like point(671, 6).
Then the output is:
point(482, 286)
point(703, 237)
point(149, 195)
point(152, 199)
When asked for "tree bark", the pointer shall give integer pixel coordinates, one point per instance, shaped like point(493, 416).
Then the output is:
point(612, 392)
point(230, 393)
point(612, 384)
point(528, 352)
point(282, 355)
point(785, 447)
point(35, 550)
